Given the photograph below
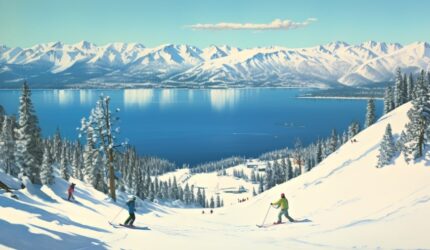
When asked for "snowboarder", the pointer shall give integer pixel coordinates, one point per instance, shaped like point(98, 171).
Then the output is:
point(131, 203)
point(71, 190)
point(283, 204)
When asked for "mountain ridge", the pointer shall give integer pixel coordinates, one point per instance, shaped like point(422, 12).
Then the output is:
point(334, 64)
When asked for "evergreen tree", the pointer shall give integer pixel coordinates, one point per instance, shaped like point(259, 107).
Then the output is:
point(333, 141)
point(398, 90)
point(76, 163)
point(353, 129)
point(269, 177)
point(387, 101)
point(218, 201)
point(46, 170)
point(319, 154)
point(64, 167)
point(212, 203)
point(410, 87)
point(2, 117)
point(102, 120)
point(204, 198)
point(419, 116)
point(289, 170)
point(57, 146)
point(29, 153)
point(405, 88)
point(387, 148)
point(370, 114)
point(90, 154)
point(7, 147)
point(187, 194)
point(344, 138)
point(253, 191)
point(261, 186)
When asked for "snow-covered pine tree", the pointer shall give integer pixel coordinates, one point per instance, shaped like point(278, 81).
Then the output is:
point(46, 170)
point(400, 144)
point(370, 113)
point(398, 89)
point(405, 88)
point(353, 129)
point(261, 186)
point(344, 137)
point(319, 153)
point(102, 120)
point(199, 199)
point(187, 194)
point(76, 163)
point(289, 170)
point(411, 87)
point(2, 117)
point(253, 191)
point(212, 202)
point(387, 148)
point(387, 101)
point(204, 198)
point(89, 155)
point(57, 146)
point(64, 165)
point(29, 150)
point(7, 147)
point(417, 128)
point(269, 182)
point(218, 201)
point(333, 141)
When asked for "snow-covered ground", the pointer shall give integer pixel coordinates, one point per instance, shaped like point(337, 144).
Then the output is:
point(344, 203)
point(227, 187)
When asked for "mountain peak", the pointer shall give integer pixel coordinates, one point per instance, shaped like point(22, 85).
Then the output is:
point(84, 45)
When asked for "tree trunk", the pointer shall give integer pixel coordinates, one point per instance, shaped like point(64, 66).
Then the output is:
point(111, 176)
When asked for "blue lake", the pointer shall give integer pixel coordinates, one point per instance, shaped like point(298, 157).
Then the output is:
point(195, 126)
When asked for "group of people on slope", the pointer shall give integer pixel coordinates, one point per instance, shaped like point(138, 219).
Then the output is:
point(131, 204)
point(282, 203)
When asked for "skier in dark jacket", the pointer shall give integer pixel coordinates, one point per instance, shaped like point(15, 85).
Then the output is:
point(70, 191)
point(283, 204)
point(131, 209)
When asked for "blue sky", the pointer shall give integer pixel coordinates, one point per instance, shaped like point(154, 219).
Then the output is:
point(25, 23)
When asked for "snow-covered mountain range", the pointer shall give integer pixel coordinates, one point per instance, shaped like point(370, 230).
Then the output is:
point(334, 64)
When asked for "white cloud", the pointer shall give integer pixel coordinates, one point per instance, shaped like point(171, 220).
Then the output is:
point(276, 24)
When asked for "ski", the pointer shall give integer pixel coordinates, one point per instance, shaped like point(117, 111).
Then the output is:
point(127, 226)
point(269, 225)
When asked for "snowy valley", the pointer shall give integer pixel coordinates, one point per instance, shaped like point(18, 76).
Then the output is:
point(86, 65)
point(345, 202)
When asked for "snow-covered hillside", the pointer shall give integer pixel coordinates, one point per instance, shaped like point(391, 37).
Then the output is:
point(345, 202)
point(230, 189)
point(132, 64)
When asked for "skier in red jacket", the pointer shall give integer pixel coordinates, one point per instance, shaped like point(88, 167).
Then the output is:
point(71, 190)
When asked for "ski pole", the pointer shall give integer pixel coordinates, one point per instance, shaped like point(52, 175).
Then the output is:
point(119, 212)
point(266, 215)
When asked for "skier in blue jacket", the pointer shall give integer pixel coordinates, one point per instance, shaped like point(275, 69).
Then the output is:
point(131, 203)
